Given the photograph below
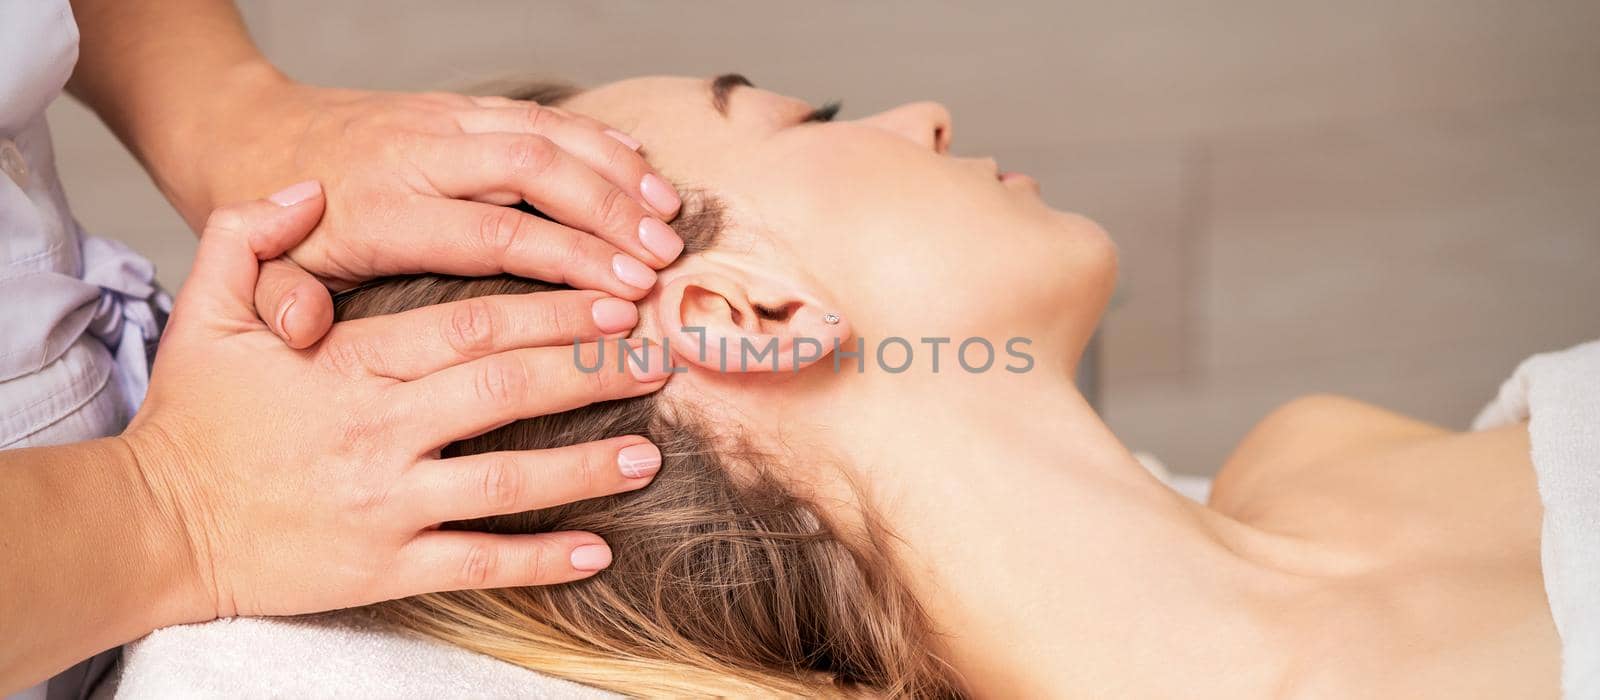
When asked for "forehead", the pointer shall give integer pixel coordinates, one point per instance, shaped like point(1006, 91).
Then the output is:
point(684, 135)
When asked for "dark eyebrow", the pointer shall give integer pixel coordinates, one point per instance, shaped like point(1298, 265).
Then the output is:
point(724, 84)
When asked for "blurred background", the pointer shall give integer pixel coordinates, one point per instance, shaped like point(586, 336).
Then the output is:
point(1392, 200)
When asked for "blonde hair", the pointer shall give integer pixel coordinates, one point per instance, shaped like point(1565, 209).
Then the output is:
point(723, 582)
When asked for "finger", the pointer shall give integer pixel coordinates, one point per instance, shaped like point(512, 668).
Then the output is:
point(293, 303)
point(543, 173)
point(610, 153)
point(496, 239)
point(419, 342)
point(234, 241)
point(453, 560)
point(498, 102)
point(497, 483)
point(478, 396)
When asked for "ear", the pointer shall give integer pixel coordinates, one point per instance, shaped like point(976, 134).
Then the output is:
point(732, 320)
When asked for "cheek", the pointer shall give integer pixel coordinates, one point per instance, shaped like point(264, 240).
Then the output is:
point(914, 248)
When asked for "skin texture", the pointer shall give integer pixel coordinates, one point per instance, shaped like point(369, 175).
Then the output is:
point(209, 506)
point(410, 177)
point(252, 462)
point(1341, 546)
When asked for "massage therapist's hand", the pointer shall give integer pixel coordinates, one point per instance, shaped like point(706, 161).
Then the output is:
point(418, 183)
point(305, 480)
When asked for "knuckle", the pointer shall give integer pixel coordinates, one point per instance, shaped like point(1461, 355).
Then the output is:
point(619, 156)
point(500, 229)
point(471, 327)
point(478, 566)
point(351, 357)
point(599, 383)
point(360, 433)
point(574, 252)
point(595, 468)
point(615, 208)
point(368, 499)
point(502, 382)
point(230, 219)
point(539, 117)
point(532, 155)
point(560, 320)
point(503, 485)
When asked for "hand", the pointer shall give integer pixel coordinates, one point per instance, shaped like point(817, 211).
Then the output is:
point(419, 183)
point(301, 481)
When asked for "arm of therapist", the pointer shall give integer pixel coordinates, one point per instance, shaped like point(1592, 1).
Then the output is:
point(413, 179)
point(262, 480)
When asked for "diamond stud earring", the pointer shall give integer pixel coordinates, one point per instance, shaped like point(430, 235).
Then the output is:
point(830, 318)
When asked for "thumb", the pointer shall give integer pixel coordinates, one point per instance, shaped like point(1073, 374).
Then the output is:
point(294, 304)
point(236, 238)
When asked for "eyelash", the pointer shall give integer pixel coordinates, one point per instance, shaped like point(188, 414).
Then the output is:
point(825, 113)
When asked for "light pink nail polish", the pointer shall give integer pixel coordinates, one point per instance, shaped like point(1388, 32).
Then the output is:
point(632, 272)
point(590, 557)
point(659, 194)
point(660, 239)
point(626, 140)
point(295, 194)
point(614, 315)
point(639, 461)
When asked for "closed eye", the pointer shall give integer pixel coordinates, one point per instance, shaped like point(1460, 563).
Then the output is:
point(825, 113)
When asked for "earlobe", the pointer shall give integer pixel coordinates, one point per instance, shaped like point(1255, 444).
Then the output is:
point(724, 324)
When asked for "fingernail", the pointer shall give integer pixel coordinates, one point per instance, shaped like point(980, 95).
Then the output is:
point(626, 140)
point(614, 315)
point(283, 318)
point(591, 557)
point(639, 461)
point(632, 272)
point(660, 239)
point(659, 194)
point(648, 362)
point(295, 194)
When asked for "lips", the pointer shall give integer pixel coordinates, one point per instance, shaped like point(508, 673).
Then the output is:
point(1018, 180)
point(1008, 179)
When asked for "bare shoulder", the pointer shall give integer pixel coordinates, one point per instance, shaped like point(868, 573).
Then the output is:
point(1308, 433)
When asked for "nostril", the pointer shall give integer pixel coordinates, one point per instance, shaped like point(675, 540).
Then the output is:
point(941, 139)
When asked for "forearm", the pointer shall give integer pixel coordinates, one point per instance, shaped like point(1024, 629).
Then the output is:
point(158, 72)
point(89, 561)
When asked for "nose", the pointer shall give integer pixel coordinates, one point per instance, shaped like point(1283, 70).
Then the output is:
point(924, 123)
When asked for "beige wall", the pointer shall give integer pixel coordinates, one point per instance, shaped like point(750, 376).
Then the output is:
point(1393, 200)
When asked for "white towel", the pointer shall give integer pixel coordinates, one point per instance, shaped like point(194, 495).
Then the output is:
point(320, 658)
point(1559, 395)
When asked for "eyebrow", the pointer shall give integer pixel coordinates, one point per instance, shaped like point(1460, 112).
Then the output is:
point(724, 84)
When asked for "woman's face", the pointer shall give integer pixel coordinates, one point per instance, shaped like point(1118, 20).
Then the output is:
point(906, 239)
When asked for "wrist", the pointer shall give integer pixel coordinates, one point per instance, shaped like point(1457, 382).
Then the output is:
point(167, 538)
point(199, 153)
point(91, 561)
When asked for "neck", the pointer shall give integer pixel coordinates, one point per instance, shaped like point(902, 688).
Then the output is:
point(1052, 561)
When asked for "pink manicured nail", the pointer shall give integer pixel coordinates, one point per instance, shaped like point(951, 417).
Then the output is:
point(659, 194)
point(639, 461)
point(648, 362)
point(660, 239)
point(591, 557)
point(295, 194)
point(626, 140)
point(614, 315)
point(632, 272)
